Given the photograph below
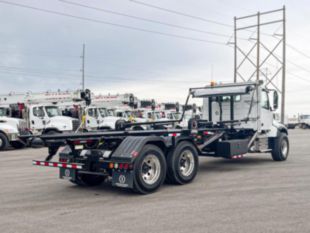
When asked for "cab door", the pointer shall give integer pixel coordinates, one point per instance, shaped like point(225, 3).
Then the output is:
point(37, 118)
point(266, 112)
point(91, 118)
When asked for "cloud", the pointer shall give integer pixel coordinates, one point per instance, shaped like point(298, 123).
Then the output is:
point(46, 48)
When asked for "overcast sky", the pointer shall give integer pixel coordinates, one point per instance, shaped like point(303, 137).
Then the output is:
point(40, 51)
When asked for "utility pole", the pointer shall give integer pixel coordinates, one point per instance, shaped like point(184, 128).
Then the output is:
point(212, 72)
point(283, 67)
point(83, 68)
point(235, 50)
point(245, 61)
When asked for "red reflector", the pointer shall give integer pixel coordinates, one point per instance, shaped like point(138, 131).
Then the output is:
point(125, 166)
point(120, 166)
point(77, 142)
point(134, 153)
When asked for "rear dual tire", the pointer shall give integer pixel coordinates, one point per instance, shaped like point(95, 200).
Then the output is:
point(149, 170)
point(182, 164)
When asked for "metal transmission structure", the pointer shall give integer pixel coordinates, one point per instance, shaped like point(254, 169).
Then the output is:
point(262, 50)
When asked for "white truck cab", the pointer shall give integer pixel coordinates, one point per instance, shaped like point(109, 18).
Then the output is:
point(105, 119)
point(48, 119)
point(245, 106)
point(41, 110)
point(11, 129)
point(304, 121)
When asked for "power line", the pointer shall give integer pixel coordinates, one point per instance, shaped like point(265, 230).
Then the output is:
point(95, 77)
point(38, 54)
point(181, 13)
point(25, 69)
point(112, 24)
point(297, 50)
point(144, 19)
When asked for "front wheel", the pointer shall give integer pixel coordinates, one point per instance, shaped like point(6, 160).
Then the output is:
point(150, 170)
point(280, 148)
point(4, 142)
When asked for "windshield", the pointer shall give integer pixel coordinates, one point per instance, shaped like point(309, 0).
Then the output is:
point(52, 111)
point(103, 112)
point(174, 116)
point(305, 117)
point(154, 115)
point(3, 112)
point(111, 112)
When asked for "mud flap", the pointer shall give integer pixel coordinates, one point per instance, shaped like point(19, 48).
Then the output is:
point(67, 174)
point(122, 179)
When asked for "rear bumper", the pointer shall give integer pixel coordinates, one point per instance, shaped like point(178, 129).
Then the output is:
point(77, 166)
point(120, 177)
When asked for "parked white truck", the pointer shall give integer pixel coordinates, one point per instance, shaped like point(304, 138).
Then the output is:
point(41, 111)
point(11, 129)
point(304, 121)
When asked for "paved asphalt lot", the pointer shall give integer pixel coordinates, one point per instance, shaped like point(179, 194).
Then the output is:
point(254, 194)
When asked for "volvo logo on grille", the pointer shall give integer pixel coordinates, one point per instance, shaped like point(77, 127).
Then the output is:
point(122, 179)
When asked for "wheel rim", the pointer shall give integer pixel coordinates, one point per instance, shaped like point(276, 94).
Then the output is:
point(284, 148)
point(187, 163)
point(1, 142)
point(150, 169)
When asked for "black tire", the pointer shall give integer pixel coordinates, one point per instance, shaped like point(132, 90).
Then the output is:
point(304, 126)
point(279, 153)
point(88, 180)
point(4, 142)
point(120, 124)
point(157, 159)
point(184, 153)
point(17, 144)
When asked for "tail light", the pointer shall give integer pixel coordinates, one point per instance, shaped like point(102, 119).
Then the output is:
point(123, 166)
point(63, 160)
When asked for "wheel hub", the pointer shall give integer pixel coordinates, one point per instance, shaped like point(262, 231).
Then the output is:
point(150, 170)
point(187, 163)
point(284, 148)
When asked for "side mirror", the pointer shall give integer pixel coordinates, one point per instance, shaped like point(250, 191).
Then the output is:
point(275, 100)
point(153, 104)
point(86, 96)
point(131, 101)
point(177, 107)
point(194, 108)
